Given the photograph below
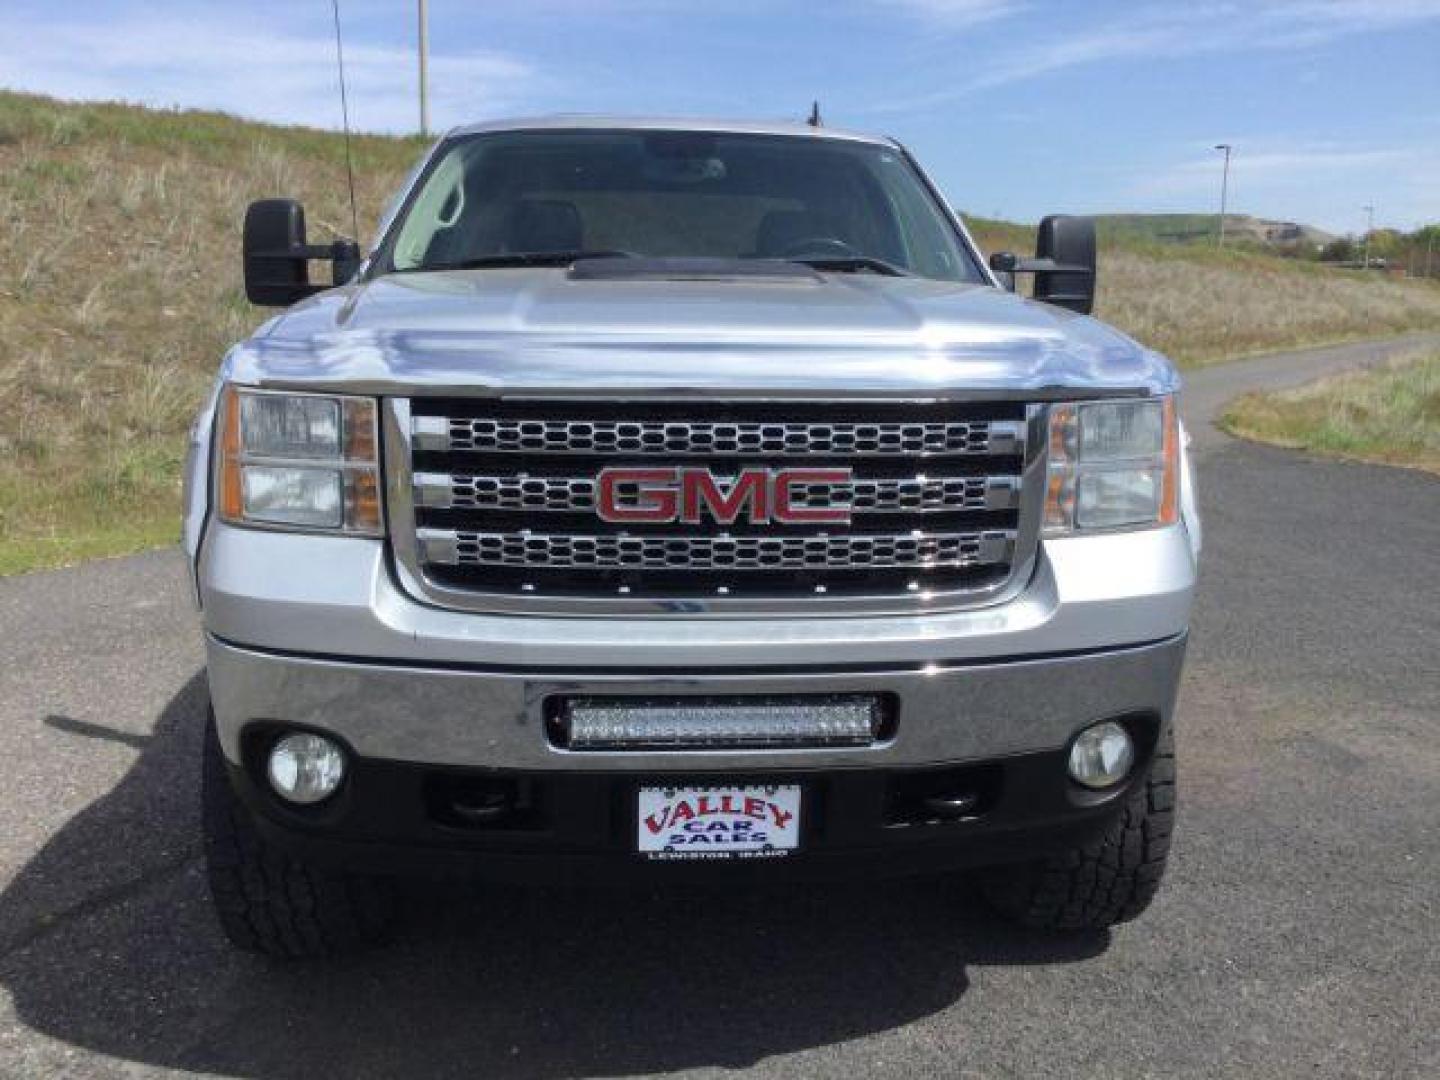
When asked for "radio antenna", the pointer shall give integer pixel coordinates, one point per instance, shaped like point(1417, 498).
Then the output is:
point(345, 120)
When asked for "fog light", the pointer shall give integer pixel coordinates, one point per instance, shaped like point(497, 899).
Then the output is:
point(305, 768)
point(1101, 756)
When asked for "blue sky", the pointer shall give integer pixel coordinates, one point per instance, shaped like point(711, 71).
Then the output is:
point(1018, 107)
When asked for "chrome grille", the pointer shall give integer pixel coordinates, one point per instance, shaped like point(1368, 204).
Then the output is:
point(463, 490)
point(782, 438)
point(494, 504)
point(538, 551)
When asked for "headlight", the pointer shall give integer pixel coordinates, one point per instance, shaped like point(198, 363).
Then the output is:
point(1112, 465)
point(299, 461)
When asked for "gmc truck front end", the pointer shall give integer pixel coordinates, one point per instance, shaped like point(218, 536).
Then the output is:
point(817, 603)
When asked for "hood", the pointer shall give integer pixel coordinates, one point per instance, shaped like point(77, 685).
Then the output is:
point(529, 332)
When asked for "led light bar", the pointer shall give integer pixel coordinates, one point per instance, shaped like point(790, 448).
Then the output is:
point(710, 724)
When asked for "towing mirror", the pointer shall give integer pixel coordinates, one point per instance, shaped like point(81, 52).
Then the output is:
point(277, 257)
point(1064, 263)
point(1068, 242)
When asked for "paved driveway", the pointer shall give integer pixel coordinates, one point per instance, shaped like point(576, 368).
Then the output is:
point(1296, 934)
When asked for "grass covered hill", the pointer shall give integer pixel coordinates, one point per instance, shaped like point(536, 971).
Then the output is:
point(120, 289)
point(119, 292)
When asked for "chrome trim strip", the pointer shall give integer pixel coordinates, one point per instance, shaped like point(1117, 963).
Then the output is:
point(527, 550)
point(704, 438)
point(431, 433)
point(576, 494)
point(400, 517)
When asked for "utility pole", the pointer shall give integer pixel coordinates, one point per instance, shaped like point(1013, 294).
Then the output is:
point(424, 67)
point(1369, 228)
point(1224, 191)
point(1429, 248)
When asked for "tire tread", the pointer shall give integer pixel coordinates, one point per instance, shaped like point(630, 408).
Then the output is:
point(271, 903)
point(1110, 878)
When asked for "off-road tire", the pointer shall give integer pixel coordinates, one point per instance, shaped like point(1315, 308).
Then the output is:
point(269, 902)
point(1109, 879)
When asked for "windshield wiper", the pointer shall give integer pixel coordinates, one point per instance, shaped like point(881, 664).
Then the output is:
point(523, 258)
point(849, 264)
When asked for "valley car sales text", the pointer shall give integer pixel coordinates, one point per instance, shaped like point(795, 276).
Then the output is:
point(706, 825)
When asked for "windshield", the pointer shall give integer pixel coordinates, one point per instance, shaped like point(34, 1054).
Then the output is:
point(487, 199)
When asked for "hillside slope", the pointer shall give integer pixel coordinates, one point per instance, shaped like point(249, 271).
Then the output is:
point(120, 290)
point(1201, 228)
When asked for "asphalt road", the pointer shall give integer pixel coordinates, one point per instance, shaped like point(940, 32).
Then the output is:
point(1296, 934)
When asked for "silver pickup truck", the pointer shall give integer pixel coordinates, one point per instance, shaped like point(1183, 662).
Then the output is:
point(669, 501)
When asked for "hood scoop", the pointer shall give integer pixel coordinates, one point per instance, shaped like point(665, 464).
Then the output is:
point(641, 268)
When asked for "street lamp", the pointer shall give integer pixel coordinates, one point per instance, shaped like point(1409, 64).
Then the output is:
point(1224, 191)
point(1369, 228)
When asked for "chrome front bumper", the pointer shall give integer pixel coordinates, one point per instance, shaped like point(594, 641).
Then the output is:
point(496, 719)
point(315, 631)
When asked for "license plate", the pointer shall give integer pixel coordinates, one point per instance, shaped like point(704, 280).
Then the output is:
point(755, 821)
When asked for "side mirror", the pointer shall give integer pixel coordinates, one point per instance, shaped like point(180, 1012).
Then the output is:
point(1064, 263)
point(276, 255)
point(1069, 243)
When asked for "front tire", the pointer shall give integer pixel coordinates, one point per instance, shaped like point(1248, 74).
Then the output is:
point(1109, 879)
point(268, 901)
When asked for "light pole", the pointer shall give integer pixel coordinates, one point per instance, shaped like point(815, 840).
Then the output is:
point(1224, 191)
point(1369, 228)
point(424, 67)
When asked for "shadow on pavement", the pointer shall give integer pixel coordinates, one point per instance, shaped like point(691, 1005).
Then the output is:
point(107, 943)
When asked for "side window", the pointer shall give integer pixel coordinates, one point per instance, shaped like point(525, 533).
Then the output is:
point(392, 205)
point(438, 208)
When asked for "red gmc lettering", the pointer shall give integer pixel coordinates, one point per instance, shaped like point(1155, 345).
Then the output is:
point(656, 500)
point(700, 489)
point(757, 495)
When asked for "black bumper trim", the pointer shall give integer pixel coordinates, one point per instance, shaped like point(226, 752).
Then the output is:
point(572, 826)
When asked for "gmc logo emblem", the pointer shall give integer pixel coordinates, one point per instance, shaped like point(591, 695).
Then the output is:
point(756, 495)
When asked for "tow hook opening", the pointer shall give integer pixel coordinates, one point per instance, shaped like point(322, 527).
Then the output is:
point(942, 796)
point(482, 802)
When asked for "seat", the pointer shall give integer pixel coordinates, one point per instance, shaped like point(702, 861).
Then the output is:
point(541, 225)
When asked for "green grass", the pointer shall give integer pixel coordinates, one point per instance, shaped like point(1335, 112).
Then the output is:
point(1389, 415)
point(120, 291)
point(154, 525)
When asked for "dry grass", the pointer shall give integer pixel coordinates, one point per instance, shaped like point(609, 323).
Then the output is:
point(1200, 306)
point(1389, 415)
point(120, 291)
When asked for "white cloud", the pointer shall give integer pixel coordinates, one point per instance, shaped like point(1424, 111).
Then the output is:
point(1324, 19)
point(1161, 31)
point(959, 12)
point(279, 75)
